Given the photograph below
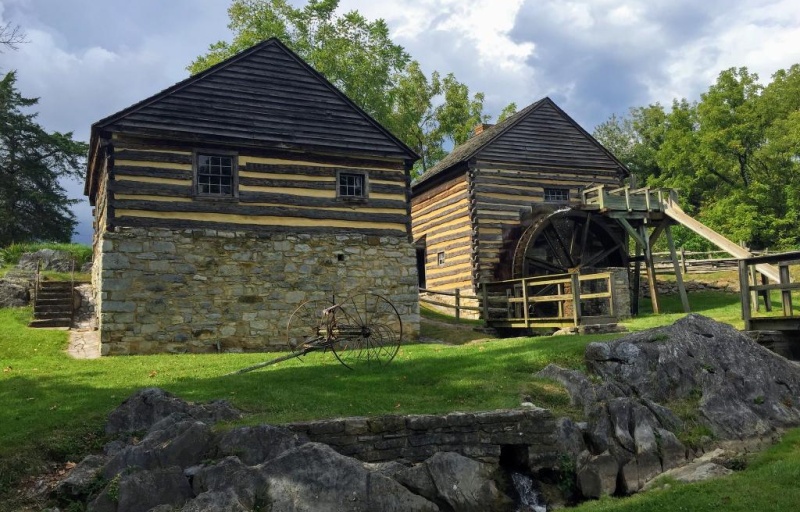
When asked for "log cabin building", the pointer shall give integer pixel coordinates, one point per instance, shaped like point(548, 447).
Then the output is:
point(506, 204)
point(224, 201)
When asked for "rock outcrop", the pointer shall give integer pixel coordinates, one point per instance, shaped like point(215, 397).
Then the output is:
point(741, 391)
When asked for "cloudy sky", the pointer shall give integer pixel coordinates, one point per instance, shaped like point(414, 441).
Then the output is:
point(87, 59)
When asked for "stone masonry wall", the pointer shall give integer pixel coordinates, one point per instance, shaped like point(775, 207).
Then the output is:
point(479, 435)
point(164, 290)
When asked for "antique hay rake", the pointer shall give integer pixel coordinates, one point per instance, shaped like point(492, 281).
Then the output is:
point(365, 328)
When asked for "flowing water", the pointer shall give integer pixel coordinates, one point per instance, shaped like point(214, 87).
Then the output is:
point(530, 500)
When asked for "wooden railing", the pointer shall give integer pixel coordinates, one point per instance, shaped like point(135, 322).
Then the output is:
point(549, 301)
point(457, 306)
point(754, 287)
point(625, 198)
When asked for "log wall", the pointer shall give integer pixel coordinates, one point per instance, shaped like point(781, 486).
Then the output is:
point(502, 195)
point(441, 215)
point(153, 187)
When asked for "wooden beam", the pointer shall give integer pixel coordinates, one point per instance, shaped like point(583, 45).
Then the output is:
point(744, 285)
point(676, 265)
point(650, 267)
point(631, 231)
point(637, 272)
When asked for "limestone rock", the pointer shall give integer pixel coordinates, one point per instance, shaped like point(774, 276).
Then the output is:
point(150, 405)
point(58, 261)
point(694, 472)
point(746, 390)
point(254, 445)
point(596, 474)
point(313, 477)
point(80, 480)
point(141, 491)
point(464, 484)
point(13, 294)
point(229, 480)
point(182, 443)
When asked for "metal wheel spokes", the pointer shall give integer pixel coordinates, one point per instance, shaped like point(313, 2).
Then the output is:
point(306, 325)
point(367, 329)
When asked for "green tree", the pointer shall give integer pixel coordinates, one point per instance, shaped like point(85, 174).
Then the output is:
point(355, 54)
point(734, 155)
point(33, 205)
point(359, 57)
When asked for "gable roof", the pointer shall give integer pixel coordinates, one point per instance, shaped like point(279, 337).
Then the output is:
point(478, 143)
point(265, 96)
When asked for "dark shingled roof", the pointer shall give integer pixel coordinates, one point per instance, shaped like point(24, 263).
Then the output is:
point(477, 143)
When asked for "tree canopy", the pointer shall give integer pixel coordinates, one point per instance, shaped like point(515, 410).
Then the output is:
point(33, 205)
point(734, 156)
point(360, 58)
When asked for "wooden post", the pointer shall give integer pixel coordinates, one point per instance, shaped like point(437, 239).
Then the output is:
point(637, 285)
point(458, 304)
point(754, 294)
point(676, 266)
point(610, 289)
point(576, 298)
point(525, 312)
point(786, 295)
point(651, 269)
point(766, 294)
point(744, 291)
point(683, 261)
point(560, 291)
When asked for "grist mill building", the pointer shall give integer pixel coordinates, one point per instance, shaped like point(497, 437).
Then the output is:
point(506, 204)
point(228, 199)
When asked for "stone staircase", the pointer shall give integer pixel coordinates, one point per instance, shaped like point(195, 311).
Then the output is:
point(54, 305)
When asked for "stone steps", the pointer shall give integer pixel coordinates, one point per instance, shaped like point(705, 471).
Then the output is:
point(54, 305)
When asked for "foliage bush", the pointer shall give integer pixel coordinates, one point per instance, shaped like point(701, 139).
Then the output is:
point(11, 254)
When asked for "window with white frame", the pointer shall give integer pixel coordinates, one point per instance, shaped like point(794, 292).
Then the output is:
point(352, 185)
point(556, 195)
point(215, 175)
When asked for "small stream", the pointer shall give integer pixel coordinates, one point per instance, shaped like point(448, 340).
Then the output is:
point(530, 499)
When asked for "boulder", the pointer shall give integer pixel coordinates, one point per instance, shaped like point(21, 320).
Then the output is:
point(81, 480)
point(254, 445)
point(596, 474)
point(465, 484)
point(176, 443)
point(13, 294)
point(58, 261)
point(745, 390)
point(141, 491)
point(229, 480)
point(151, 405)
point(313, 477)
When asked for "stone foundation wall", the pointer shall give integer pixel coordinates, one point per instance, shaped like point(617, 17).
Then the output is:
point(479, 435)
point(163, 290)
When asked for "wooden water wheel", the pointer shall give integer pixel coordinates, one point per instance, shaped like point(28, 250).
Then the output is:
point(567, 241)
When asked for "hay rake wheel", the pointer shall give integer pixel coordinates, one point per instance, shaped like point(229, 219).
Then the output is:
point(365, 328)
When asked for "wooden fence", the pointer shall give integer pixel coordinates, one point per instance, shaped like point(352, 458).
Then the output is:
point(755, 287)
point(457, 305)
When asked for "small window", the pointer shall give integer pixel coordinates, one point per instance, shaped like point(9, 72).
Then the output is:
point(215, 175)
point(556, 195)
point(440, 258)
point(351, 185)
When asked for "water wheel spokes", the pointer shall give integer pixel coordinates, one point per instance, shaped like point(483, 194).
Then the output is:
point(567, 241)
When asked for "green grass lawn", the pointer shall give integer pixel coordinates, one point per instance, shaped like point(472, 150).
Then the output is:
point(52, 407)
